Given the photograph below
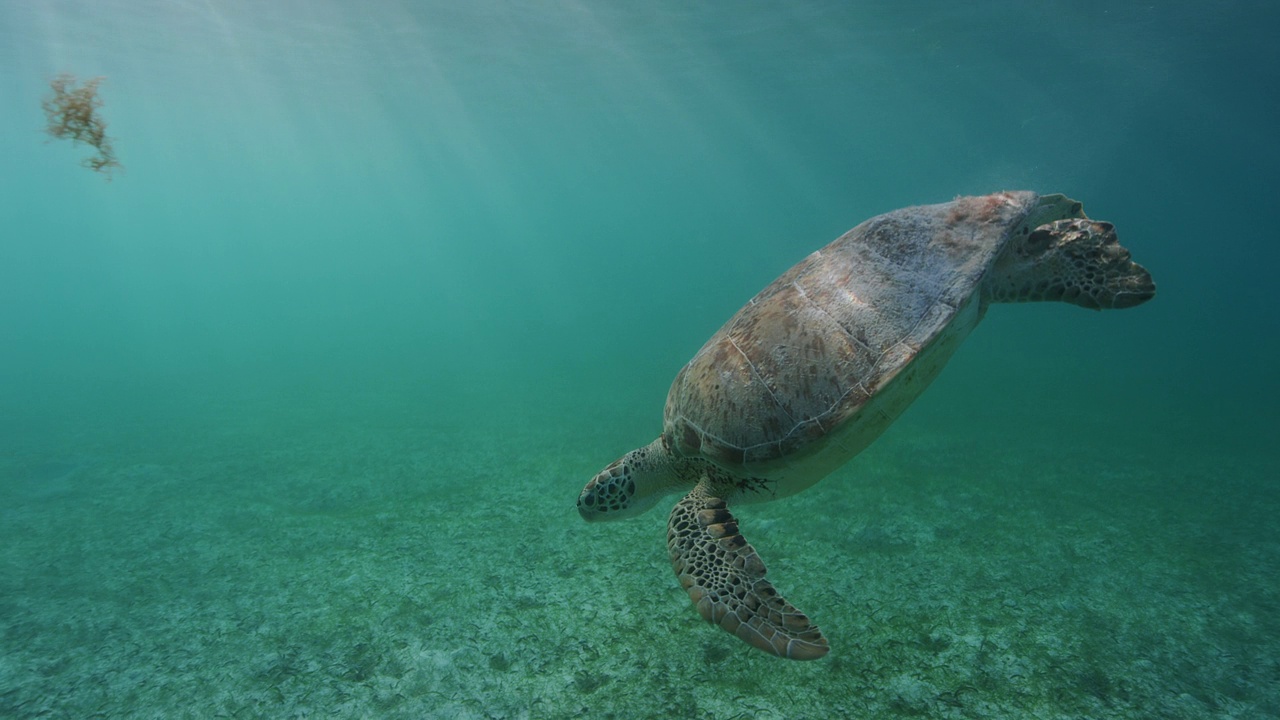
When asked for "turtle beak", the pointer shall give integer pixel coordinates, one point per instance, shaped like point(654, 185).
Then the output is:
point(1133, 288)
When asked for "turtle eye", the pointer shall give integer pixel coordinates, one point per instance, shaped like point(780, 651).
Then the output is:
point(1040, 240)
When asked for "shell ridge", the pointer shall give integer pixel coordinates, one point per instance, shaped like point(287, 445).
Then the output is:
point(836, 321)
point(755, 372)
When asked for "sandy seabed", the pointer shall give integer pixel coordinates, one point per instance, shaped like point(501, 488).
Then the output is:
point(402, 568)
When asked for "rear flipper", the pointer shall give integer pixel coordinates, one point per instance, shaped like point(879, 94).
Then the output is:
point(725, 579)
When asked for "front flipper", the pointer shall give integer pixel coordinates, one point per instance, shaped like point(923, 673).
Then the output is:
point(725, 579)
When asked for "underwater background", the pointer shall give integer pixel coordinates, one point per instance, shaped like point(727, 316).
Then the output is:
point(295, 409)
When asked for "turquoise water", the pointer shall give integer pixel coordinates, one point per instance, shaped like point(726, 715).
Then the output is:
point(295, 409)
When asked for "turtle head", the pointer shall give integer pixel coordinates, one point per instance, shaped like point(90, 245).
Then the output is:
point(1075, 260)
point(630, 485)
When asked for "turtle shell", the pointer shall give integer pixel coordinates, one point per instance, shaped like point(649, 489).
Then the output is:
point(808, 354)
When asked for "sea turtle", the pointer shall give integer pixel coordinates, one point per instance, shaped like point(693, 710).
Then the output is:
point(817, 365)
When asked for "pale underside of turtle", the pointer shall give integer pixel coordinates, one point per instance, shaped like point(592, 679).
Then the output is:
point(821, 361)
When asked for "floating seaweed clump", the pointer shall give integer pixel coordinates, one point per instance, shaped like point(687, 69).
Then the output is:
point(72, 113)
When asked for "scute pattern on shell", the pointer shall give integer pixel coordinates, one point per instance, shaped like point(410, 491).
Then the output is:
point(810, 349)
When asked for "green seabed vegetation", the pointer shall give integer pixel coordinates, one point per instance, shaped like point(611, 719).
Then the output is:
point(405, 570)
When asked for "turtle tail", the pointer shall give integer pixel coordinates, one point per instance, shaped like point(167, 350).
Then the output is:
point(725, 579)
